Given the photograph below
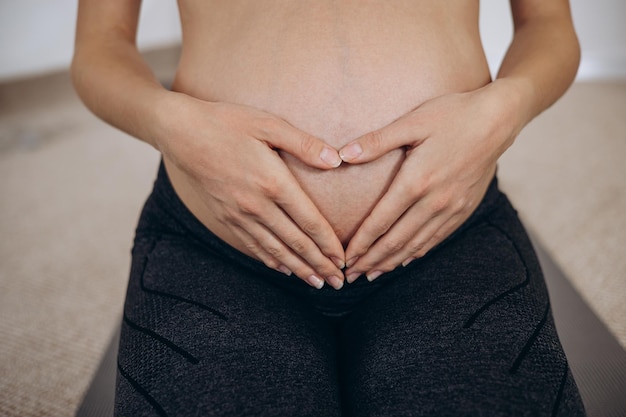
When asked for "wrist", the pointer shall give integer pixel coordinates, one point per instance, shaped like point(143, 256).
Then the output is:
point(511, 102)
point(514, 100)
point(168, 112)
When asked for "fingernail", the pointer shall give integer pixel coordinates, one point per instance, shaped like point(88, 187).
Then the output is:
point(352, 261)
point(315, 282)
point(351, 152)
point(352, 277)
point(339, 262)
point(335, 282)
point(331, 157)
point(373, 275)
point(284, 270)
point(408, 261)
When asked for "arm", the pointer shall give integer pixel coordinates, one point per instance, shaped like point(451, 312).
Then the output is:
point(227, 151)
point(454, 141)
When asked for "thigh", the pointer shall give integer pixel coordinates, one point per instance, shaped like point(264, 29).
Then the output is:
point(465, 331)
point(203, 336)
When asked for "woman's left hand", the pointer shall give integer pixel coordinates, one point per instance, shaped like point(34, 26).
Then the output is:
point(452, 144)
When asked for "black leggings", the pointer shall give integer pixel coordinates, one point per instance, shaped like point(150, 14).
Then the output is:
point(465, 331)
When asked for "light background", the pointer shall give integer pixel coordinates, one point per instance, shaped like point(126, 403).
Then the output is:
point(71, 188)
point(36, 36)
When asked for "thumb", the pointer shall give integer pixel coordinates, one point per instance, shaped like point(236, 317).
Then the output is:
point(375, 144)
point(307, 148)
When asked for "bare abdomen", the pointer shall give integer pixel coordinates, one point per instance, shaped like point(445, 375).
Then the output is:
point(336, 76)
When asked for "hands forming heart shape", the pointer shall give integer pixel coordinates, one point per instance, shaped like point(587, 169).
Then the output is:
point(452, 144)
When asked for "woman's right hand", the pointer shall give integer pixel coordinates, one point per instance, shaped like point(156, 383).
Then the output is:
point(226, 151)
point(229, 154)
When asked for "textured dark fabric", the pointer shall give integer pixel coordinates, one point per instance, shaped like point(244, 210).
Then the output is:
point(465, 331)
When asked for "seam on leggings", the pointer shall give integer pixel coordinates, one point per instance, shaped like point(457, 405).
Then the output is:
point(530, 341)
point(161, 339)
point(172, 296)
point(470, 321)
point(559, 396)
point(142, 391)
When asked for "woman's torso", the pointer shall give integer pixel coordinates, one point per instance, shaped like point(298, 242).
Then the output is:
point(335, 69)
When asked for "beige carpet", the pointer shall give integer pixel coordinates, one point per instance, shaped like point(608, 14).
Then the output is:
point(566, 174)
point(72, 188)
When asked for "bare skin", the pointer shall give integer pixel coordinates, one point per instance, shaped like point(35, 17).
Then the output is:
point(270, 98)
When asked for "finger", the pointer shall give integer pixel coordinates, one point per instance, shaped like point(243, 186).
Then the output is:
point(298, 243)
point(305, 214)
point(307, 148)
point(254, 248)
point(413, 247)
point(286, 265)
point(387, 211)
point(428, 235)
point(292, 239)
point(440, 235)
point(373, 145)
point(391, 249)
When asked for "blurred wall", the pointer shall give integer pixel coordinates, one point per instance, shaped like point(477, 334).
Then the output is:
point(36, 36)
point(600, 28)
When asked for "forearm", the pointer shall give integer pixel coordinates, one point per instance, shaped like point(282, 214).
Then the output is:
point(542, 60)
point(114, 82)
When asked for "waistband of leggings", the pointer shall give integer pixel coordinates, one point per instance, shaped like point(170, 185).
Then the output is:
point(181, 221)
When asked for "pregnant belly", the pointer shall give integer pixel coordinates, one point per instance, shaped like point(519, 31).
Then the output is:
point(335, 71)
point(339, 112)
point(344, 195)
